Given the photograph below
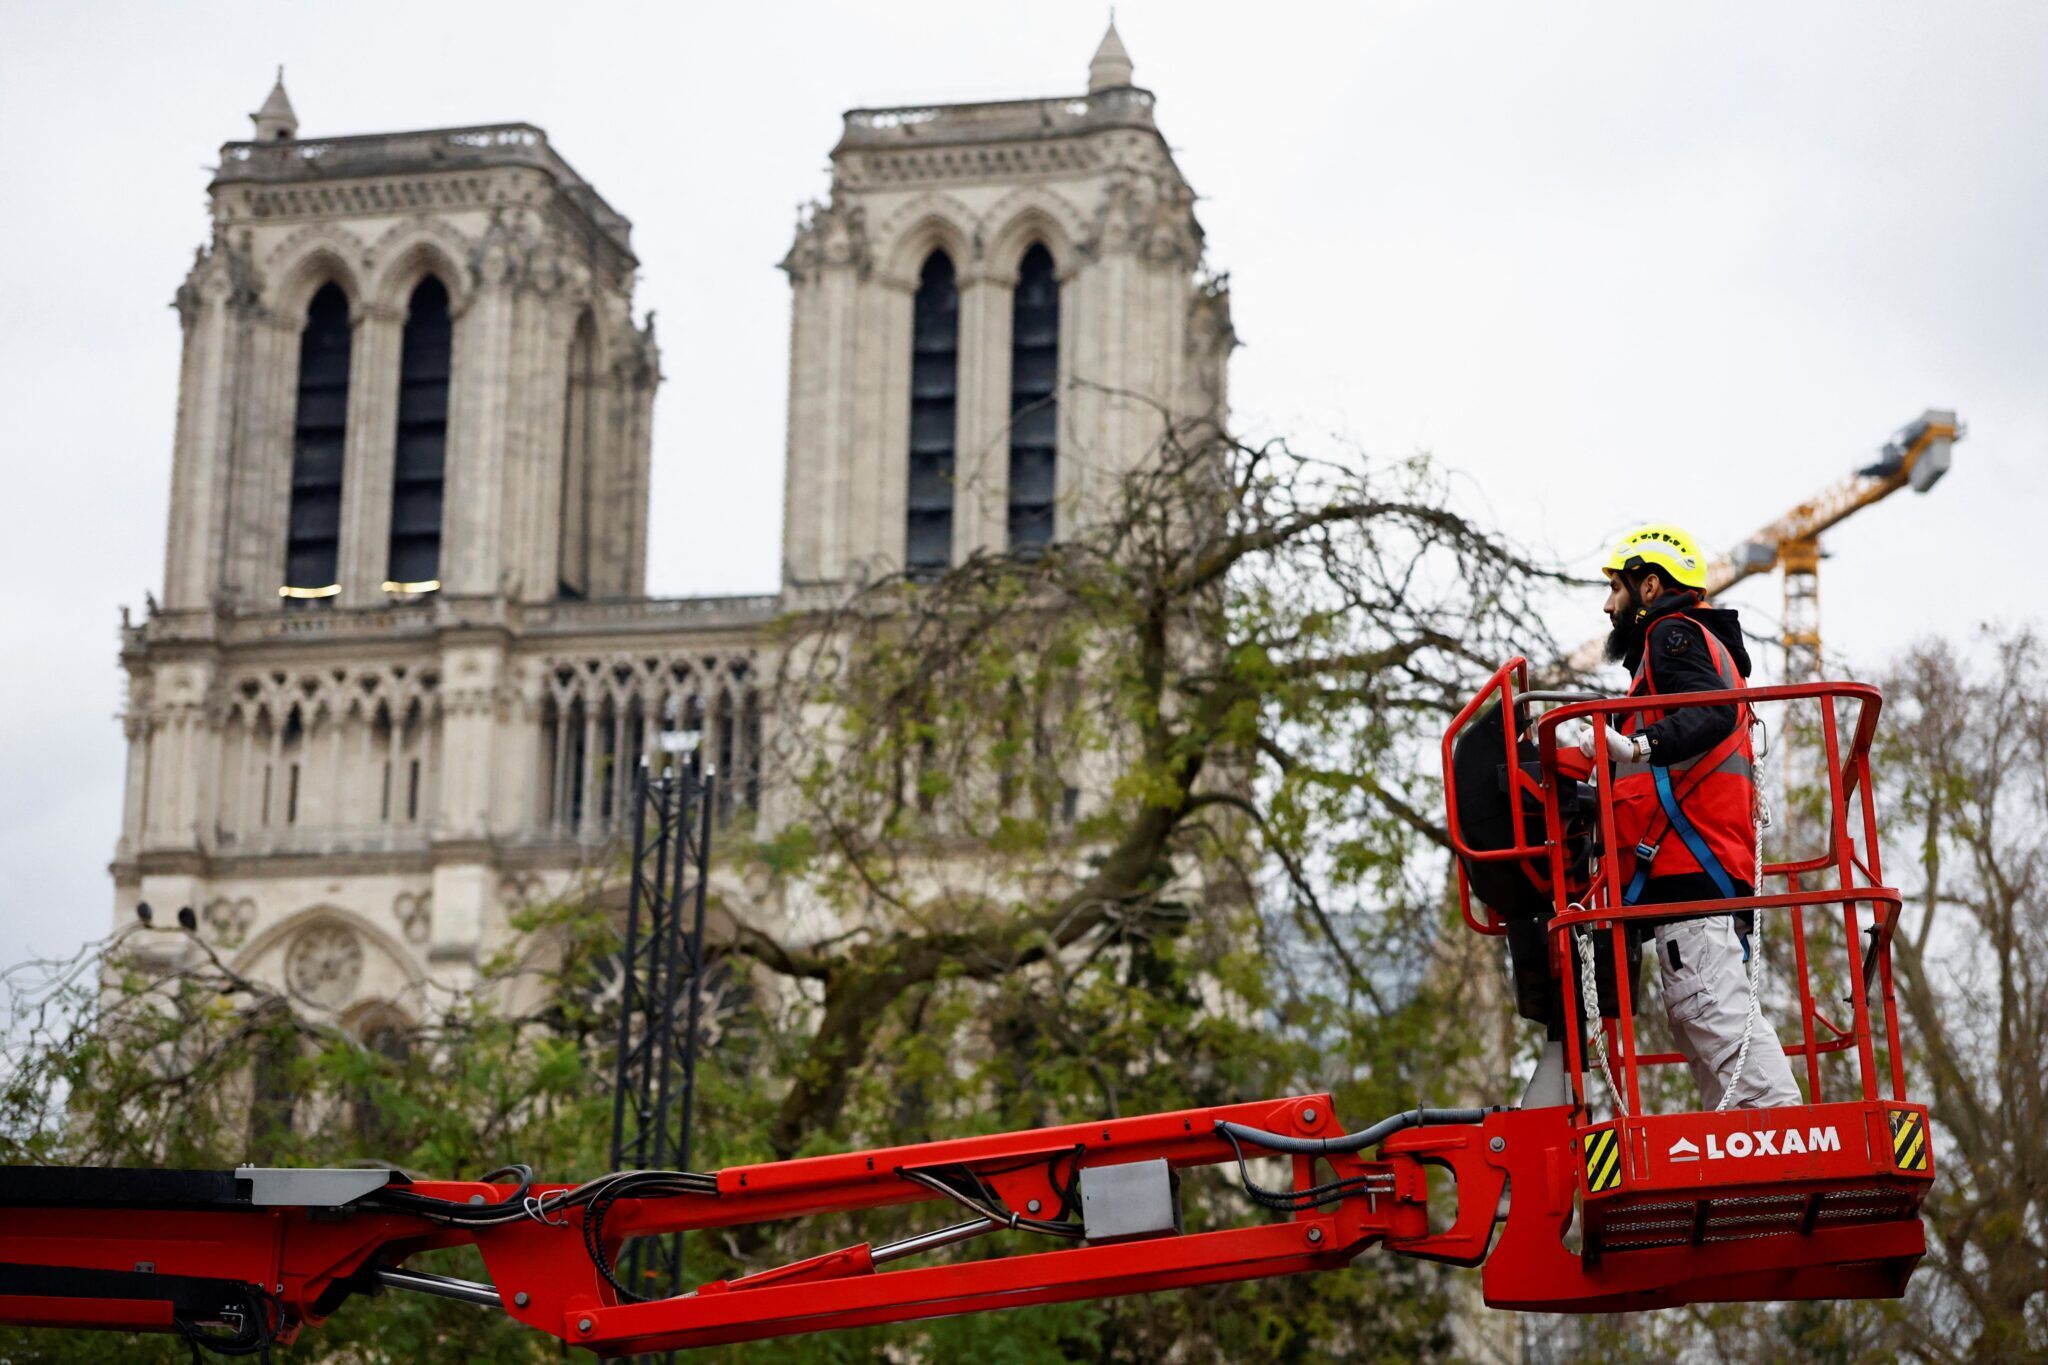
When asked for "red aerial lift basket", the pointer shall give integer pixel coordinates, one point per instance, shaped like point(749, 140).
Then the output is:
point(1816, 1201)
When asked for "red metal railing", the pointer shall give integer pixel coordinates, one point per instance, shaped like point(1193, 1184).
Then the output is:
point(1851, 853)
point(1502, 686)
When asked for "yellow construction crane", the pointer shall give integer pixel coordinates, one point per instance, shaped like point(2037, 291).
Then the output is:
point(1916, 457)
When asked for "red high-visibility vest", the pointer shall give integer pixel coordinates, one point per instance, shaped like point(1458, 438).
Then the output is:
point(1715, 790)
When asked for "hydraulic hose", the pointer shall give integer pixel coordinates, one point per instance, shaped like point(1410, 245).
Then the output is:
point(1364, 1137)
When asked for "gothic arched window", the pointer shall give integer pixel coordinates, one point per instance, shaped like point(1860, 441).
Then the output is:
point(934, 390)
point(1034, 399)
point(418, 471)
point(312, 549)
point(578, 433)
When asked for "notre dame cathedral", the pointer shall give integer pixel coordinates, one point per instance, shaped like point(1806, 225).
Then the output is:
point(404, 664)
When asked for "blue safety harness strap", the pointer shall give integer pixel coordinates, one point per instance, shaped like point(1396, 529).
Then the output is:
point(1646, 854)
point(1694, 844)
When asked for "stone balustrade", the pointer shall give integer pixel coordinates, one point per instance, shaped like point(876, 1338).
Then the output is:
point(424, 619)
point(323, 841)
point(996, 120)
point(649, 613)
point(376, 154)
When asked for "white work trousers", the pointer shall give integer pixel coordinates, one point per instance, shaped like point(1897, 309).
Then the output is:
point(1706, 993)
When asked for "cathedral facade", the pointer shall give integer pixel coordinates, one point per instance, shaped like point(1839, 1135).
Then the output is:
point(404, 664)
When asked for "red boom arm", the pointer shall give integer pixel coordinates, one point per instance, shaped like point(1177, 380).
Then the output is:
point(253, 1252)
point(150, 1250)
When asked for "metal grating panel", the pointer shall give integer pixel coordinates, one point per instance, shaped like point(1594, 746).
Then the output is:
point(1666, 1222)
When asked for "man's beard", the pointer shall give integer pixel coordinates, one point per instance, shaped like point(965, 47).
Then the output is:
point(1625, 637)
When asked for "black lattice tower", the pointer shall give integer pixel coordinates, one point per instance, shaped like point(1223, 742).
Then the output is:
point(660, 1000)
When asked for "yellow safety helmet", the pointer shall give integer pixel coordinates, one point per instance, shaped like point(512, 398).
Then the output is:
point(1663, 547)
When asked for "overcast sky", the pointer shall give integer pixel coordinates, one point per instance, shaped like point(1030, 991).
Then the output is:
point(1616, 262)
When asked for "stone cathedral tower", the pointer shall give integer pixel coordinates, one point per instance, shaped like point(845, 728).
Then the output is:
point(990, 312)
point(404, 665)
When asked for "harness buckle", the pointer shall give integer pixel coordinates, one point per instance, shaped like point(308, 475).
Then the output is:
point(1646, 852)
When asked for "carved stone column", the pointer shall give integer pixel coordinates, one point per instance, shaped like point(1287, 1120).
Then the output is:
point(370, 454)
point(528, 438)
point(981, 455)
point(1088, 360)
point(181, 758)
point(538, 556)
point(260, 481)
point(516, 790)
point(135, 727)
point(1210, 339)
point(630, 460)
point(875, 459)
point(471, 672)
point(480, 399)
point(212, 305)
point(832, 375)
point(472, 669)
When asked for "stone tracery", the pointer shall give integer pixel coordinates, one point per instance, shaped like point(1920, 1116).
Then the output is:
point(600, 715)
point(324, 963)
point(324, 750)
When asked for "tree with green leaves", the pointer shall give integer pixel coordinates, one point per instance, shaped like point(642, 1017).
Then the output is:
point(1141, 821)
point(1965, 770)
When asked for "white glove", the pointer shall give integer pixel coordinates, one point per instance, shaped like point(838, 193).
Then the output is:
point(1620, 748)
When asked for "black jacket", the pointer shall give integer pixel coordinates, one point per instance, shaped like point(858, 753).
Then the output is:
point(1679, 662)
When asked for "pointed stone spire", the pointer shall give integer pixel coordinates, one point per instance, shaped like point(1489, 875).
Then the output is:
point(275, 121)
point(1111, 66)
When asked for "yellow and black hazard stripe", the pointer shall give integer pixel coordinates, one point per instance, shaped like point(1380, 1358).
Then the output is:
point(1603, 1160)
point(1909, 1140)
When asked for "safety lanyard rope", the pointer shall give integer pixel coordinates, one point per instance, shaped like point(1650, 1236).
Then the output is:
point(1589, 997)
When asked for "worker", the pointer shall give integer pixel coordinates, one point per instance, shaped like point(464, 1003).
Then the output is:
point(1685, 810)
